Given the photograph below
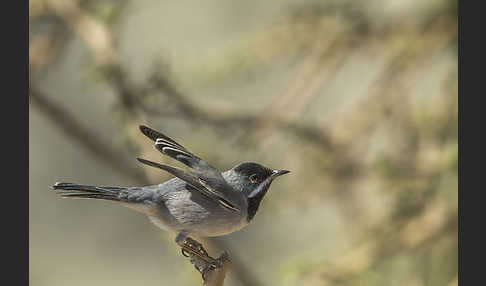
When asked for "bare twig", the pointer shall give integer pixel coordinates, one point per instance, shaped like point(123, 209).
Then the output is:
point(95, 34)
point(211, 275)
point(216, 277)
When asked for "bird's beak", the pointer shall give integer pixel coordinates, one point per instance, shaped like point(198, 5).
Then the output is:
point(277, 173)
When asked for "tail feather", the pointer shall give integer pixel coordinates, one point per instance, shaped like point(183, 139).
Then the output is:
point(69, 190)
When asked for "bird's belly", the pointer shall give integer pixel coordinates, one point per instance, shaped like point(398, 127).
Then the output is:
point(195, 214)
point(217, 228)
point(199, 224)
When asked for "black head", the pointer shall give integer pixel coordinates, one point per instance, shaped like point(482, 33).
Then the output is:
point(254, 180)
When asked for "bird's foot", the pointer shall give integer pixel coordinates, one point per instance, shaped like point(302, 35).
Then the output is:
point(200, 257)
point(191, 248)
point(208, 270)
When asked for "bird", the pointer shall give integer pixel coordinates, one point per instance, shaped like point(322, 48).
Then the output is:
point(199, 201)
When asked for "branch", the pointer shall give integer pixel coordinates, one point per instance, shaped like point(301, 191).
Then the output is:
point(217, 276)
point(191, 112)
point(66, 121)
point(213, 276)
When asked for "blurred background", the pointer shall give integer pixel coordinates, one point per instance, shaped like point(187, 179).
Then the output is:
point(357, 98)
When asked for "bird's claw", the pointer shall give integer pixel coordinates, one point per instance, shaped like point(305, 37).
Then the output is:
point(206, 268)
point(184, 253)
point(191, 248)
point(200, 258)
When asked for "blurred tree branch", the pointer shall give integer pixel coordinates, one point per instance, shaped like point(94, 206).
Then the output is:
point(72, 128)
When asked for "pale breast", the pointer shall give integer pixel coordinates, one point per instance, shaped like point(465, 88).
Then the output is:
point(193, 212)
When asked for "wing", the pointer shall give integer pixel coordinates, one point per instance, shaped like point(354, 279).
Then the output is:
point(202, 176)
point(171, 148)
point(154, 135)
point(197, 183)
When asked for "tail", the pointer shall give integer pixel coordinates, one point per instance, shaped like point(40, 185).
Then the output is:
point(69, 190)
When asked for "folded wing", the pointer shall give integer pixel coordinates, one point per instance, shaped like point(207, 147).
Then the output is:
point(202, 176)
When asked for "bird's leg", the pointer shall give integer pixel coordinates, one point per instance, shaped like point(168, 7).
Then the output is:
point(204, 263)
point(194, 248)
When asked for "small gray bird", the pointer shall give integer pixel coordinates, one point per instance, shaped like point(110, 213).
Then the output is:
point(201, 201)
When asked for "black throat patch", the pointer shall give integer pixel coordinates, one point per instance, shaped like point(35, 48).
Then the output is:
point(253, 205)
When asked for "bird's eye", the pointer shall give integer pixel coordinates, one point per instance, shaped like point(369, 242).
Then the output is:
point(254, 178)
